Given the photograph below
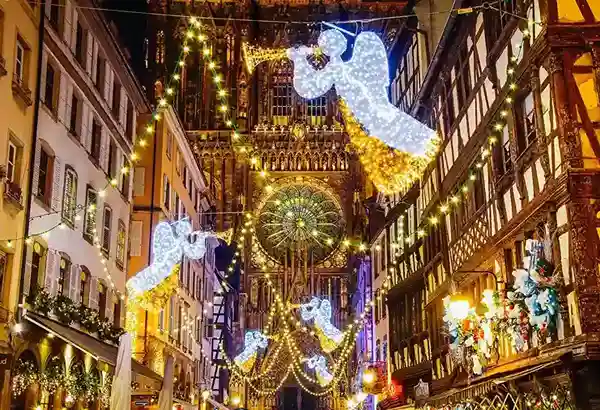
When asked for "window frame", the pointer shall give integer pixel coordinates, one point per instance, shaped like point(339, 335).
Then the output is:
point(63, 274)
point(19, 67)
point(96, 142)
point(12, 166)
point(48, 175)
point(50, 98)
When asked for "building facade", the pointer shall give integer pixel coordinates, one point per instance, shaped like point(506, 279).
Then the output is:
point(169, 186)
point(72, 288)
point(513, 92)
point(19, 66)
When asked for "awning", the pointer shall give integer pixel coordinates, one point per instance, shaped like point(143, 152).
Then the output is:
point(99, 350)
point(485, 384)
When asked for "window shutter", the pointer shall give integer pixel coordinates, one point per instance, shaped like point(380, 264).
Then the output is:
point(110, 304)
point(86, 118)
point(36, 170)
point(133, 135)
point(68, 108)
point(93, 297)
point(123, 109)
point(57, 182)
point(108, 73)
point(51, 276)
point(28, 262)
point(68, 22)
point(135, 240)
point(104, 149)
point(94, 69)
point(74, 282)
point(43, 76)
point(139, 179)
point(73, 38)
point(62, 99)
point(90, 53)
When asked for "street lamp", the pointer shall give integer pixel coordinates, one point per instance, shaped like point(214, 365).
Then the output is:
point(459, 308)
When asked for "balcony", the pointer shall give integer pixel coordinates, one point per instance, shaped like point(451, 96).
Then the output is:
point(13, 196)
point(19, 89)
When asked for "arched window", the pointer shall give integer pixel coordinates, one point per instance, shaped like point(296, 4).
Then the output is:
point(69, 197)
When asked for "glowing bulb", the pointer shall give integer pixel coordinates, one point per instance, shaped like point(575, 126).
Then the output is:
point(459, 309)
point(222, 93)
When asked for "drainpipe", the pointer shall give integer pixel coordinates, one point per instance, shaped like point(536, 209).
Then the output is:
point(36, 116)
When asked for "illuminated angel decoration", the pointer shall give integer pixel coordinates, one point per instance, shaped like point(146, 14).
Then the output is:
point(170, 242)
point(320, 311)
point(362, 83)
point(253, 341)
point(319, 364)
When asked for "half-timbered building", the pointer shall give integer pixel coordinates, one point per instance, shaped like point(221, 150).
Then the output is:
point(513, 88)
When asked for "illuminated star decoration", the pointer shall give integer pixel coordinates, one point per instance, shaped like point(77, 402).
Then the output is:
point(169, 244)
point(253, 341)
point(319, 364)
point(362, 83)
point(320, 311)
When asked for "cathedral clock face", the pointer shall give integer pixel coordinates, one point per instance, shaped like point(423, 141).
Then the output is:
point(300, 217)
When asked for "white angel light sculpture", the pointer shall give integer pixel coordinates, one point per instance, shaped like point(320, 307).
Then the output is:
point(320, 311)
point(253, 341)
point(362, 82)
point(319, 364)
point(169, 243)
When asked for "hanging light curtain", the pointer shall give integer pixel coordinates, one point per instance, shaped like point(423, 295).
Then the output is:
point(120, 396)
point(165, 398)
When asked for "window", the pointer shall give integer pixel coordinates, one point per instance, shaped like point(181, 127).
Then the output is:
point(13, 162)
point(129, 129)
point(166, 192)
point(178, 161)
point(84, 281)
point(100, 74)
point(106, 227)
point(125, 178)
point(74, 121)
point(3, 268)
point(176, 208)
point(185, 176)
point(37, 269)
point(117, 313)
point(96, 140)
point(161, 320)
point(101, 301)
point(20, 56)
point(169, 144)
point(317, 110)
point(44, 191)
point(171, 315)
point(527, 134)
point(506, 158)
point(51, 88)
point(112, 159)
point(121, 236)
point(80, 44)
point(69, 197)
point(281, 107)
point(54, 17)
point(91, 202)
point(63, 274)
point(116, 100)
